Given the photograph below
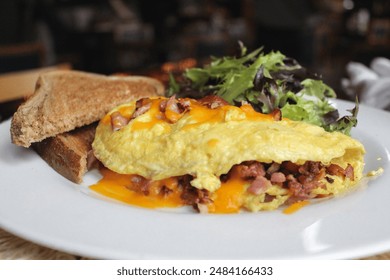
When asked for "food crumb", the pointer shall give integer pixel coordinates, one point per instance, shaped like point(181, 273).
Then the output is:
point(374, 173)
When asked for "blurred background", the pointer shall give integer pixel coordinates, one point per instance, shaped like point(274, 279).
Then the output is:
point(110, 36)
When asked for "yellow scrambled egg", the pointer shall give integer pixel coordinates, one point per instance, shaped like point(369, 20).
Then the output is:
point(206, 143)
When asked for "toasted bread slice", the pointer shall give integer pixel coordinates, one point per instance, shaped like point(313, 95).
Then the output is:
point(66, 99)
point(69, 153)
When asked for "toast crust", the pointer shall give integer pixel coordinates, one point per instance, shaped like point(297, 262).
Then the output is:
point(69, 153)
point(65, 99)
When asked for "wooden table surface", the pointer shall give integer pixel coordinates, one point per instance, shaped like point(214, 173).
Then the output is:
point(15, 248)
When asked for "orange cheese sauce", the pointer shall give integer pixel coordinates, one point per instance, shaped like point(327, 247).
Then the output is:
point(295, 207)
point(227, 199)
point(114, 185)
point(156, 116)
point(125, 111)
point(199, 114)
point(251, 114)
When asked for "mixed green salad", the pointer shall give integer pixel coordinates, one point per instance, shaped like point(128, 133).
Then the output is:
point(267, 81)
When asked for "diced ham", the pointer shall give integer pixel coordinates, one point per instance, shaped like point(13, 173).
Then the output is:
point(259, 185)
point(184, 105)
point(141, 110)
point(202, 208)
point(321, 174)
point(172, 105)
point(191, 195)
point(301, 191)
point(165, 191)
point(335, 169)
point(142, 102)
point(310, 168)
point(277, 115)
point(300, 180)
point(349, 173)
point(290, 167)
point(274, 167)
point(213, 101)
point(173, 109)
point(278, 177)
point(118, 121)
point(139, 184)
point(251, 169)
point(163, 105)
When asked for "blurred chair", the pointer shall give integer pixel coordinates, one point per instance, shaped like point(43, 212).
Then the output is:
point(22, 56)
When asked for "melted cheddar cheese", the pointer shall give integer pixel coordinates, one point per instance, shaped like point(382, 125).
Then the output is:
point(227, 199)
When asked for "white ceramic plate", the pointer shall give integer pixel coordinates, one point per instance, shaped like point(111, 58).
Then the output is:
point(39, 205)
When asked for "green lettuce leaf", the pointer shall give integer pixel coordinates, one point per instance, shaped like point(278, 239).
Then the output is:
point(267, 81)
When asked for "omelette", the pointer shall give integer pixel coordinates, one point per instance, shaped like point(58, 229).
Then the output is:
point(219, 158)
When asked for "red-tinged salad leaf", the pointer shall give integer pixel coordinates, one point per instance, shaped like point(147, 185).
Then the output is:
point(267, 81)
point(345, 123)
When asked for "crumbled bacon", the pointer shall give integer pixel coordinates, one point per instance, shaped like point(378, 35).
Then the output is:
point(277, 115)
point(213, 101)
point(139, 184)
point(291, 178)
point(296, 188)
point(349, 173)
point(177, 105)
point(142, 102)
point(321, 174)
point(173, 108)
point(191, 195)
point(301, 190)
point(165, 191)
point(204, 196)
point(329, 180)
point(274, 167)
point(163, 105)
point(184, 105)
point(290, 167)
point(335, 169)
point(118, 121)
point(268, 198)
point(310, 168)
point(172, 105)
point(141, 110)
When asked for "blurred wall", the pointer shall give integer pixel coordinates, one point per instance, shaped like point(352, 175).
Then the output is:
point(108, 36)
